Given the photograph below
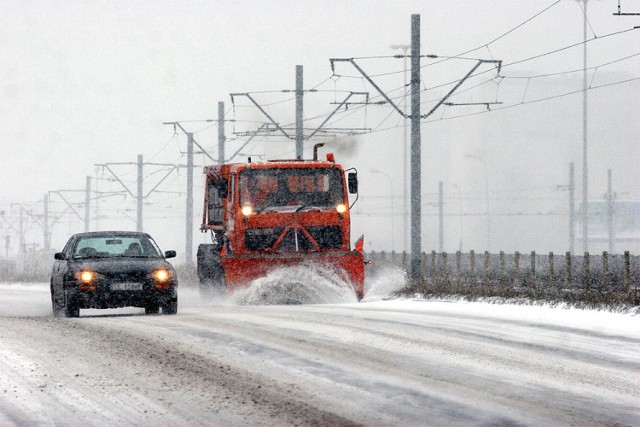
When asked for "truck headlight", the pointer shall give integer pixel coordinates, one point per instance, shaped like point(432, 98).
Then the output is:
point(341, 208)
point(247, 210)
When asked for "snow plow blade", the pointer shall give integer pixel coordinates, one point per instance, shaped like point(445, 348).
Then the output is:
point(241, 270)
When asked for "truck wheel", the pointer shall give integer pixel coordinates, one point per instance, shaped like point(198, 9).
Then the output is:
point(210, 271)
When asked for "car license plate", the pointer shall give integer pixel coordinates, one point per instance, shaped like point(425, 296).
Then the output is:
point(126, 286)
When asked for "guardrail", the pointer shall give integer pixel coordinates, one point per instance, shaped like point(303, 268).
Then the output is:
point(586, 278)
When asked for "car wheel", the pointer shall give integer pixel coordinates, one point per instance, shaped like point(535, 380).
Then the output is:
point(57, 307)
point(170, 307)
point(71, 309)
point(151, 308)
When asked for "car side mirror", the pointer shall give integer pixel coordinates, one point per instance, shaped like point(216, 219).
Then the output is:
point(352, 180)
point(170, 254)
point(60, 256)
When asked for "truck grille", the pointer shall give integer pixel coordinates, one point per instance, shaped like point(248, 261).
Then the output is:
point(327, 237)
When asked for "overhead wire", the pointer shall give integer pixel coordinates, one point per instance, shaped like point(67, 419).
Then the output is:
point(537, 57)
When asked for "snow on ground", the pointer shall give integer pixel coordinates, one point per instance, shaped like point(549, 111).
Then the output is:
point(328, 360)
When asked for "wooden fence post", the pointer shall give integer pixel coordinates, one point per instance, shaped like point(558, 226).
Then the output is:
point(585, 271)
point(551, 270)
point(627, 272)
point(434, 272)
point(423, 264)
point(502, 268)
point(516, 268)
point(567, 278)
point(605, 270)
point(533, 269)
point(445, 267)
point(472, 258)
point(486, 269)
point(458, 269)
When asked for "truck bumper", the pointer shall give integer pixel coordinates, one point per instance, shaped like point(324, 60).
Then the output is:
point(240, 270)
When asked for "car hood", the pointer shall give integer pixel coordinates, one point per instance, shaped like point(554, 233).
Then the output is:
point(123, 265)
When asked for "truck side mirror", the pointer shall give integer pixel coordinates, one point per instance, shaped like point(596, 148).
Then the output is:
point(352, 180)
point(223, 188)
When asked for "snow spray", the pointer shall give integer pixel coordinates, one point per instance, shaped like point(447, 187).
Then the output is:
point(302, 284)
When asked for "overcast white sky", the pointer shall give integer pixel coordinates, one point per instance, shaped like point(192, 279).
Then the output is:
point(91, 82)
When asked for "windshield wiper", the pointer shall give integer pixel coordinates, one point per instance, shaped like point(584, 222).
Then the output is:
point(308, 205)
point(265, 206)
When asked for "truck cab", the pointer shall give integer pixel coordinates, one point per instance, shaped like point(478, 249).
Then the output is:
point(268, 214)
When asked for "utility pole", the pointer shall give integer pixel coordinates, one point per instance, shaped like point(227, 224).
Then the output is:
point(87, 204)
point(299, 125)
point(45, 222)
point(188, 251)
point(416, 178)
point(572, 208)
point(585, 171)
point(47, 211)
point(299, 112)
point(178, 125)
point(140, 195)
point(96, 209)
point(610, 212)
point(415, 272)
point(441, 217)
point(21, 248)
point(221, 136)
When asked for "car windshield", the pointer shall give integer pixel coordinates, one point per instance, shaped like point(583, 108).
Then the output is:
point(116, 246)
point(321, 187)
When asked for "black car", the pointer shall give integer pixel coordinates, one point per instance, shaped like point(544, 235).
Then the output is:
point(112, 269)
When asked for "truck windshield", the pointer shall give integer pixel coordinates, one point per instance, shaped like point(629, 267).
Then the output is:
point(321, 187)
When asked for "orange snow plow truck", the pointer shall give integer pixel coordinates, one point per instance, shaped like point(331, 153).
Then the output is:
point(271, 214)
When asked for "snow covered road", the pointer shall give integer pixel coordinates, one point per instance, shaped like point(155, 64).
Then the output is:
point(395, 362)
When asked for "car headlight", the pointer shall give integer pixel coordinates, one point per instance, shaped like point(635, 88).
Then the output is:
point(87, 279)
point(87, 276)
point(162, 278)
point(162, 275)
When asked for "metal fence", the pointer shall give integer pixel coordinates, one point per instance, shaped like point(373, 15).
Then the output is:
point(568, 277)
